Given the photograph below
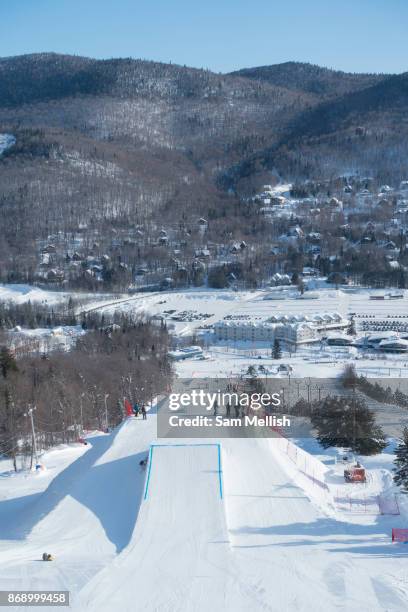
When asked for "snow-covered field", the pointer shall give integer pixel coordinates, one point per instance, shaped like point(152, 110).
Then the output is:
point(22, 293)
point(211, 305)
point(224, 361)
point(193, 310)
point(222, 302)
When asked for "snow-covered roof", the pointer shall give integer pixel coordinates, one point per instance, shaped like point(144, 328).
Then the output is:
point(394, 343)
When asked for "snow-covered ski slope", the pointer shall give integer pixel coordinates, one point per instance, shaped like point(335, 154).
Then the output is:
point(262, 545)
point(172, 539)
point(85, 517)
point(180, 557)
point(295, 554)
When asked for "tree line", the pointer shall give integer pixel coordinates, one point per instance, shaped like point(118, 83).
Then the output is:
point(79, 390)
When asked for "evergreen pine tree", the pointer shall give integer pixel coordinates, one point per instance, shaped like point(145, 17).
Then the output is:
point(251, 371)
point(401, 462)
point(276, 350)
point(349, 377)
point(348, 423)
point(351, 330)
point(401, 399)
point(7, 361)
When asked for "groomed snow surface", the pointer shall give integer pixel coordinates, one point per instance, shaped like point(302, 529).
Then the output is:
point(220, 525)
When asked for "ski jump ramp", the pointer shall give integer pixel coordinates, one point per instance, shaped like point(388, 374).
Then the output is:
point(183, 446)
point(179, 557)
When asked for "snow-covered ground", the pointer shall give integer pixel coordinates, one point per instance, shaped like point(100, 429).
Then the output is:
point(232, 524)
point(193, 303)
point(222, 302)
point(20, 294)
point(223, 360)
point(23, 293)
point(203, 307)
point(6, 141)
point(184, 536)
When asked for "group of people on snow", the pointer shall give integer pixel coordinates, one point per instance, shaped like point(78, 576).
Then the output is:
point(141, 410)
point(237, 409)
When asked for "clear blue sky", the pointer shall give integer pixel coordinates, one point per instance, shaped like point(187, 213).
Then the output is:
point(223, 35)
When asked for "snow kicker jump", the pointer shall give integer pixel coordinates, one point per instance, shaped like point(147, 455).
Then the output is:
point(179, 557)
point(217, 447)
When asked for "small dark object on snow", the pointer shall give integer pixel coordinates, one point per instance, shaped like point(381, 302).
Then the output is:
point(47, 557)
point(355, 474)
point(143, 463)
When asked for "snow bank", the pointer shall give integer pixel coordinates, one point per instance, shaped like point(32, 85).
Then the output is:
point(306, 471)
point(84, 517)
point(6, 141)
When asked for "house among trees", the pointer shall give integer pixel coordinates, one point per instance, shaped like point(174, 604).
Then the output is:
point(280, 279)
point(202, 253)
point(277, 201)
point(236, 248)
point(55, 276)
point(295, 232)
point(335, 205)
point(50, 248)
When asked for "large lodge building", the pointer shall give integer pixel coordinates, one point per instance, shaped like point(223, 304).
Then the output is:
point(289, 329)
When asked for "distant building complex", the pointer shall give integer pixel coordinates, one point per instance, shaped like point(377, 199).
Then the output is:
point(290, 329)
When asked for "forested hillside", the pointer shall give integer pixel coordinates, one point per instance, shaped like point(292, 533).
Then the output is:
point(122, 143)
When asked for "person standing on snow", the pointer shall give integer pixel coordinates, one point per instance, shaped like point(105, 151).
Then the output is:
point(144, 412)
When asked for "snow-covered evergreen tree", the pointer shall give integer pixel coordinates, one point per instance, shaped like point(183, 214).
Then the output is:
point(348, 423)
point(276, 350)
point(351, 330)
point(401, 462)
